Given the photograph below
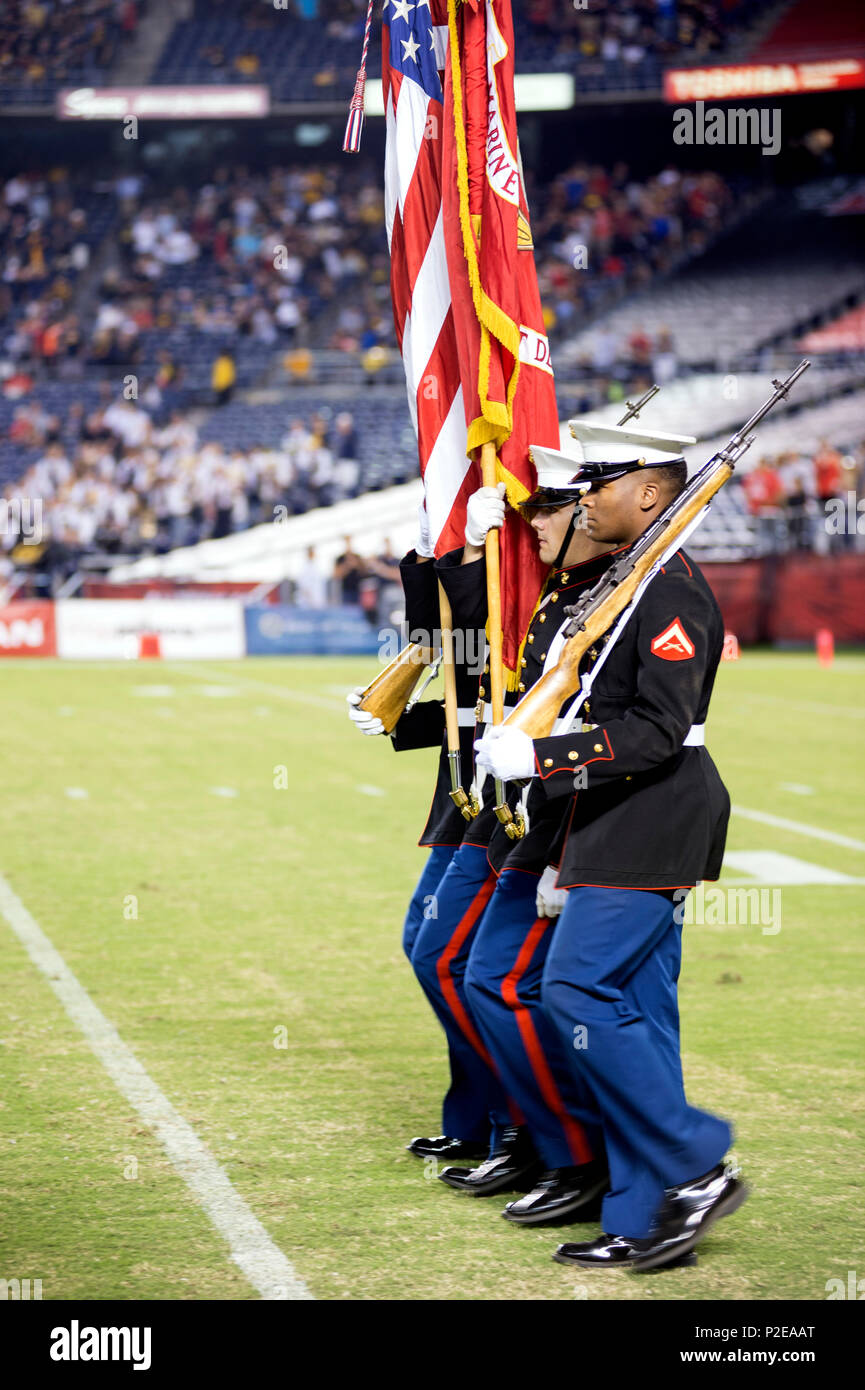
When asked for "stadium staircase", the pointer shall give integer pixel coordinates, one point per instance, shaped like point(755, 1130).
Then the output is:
point(137, 64)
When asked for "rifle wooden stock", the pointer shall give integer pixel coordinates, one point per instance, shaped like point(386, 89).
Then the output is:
point(539, 708)
point(387, 696)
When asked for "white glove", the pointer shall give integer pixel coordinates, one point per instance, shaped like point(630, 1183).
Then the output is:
point(485, 512)
point(424, 547)
point(508, 753)
point(367, 723)
point(550, 900)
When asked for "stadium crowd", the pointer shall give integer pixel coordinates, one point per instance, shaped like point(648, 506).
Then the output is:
point(612, 33)
point(296, 258)
point(794, 495)
point(622, 229)
point(111, 480)
point(59, 40)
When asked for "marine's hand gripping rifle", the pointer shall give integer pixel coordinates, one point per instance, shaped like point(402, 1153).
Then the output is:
point(537, 711)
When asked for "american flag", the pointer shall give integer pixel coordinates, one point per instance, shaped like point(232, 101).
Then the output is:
point(414, 57)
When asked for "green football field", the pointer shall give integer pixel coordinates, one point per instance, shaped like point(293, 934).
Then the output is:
point(224, 863)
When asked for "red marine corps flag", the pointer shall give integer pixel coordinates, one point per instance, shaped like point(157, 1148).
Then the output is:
point(505, 365)
point(465, 294)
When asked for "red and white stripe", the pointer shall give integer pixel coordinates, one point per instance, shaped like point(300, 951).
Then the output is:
point(422, 301)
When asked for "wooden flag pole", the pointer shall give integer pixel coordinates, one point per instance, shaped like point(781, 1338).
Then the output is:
point(452, 723)
point(494, 592)
point(451, 705)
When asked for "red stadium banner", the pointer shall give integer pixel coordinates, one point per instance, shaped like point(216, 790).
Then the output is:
point(762, 79)
point(27, 629)
point(504, 355)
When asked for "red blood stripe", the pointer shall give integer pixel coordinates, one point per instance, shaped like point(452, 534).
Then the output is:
point(443, 970)
point(576, 1136)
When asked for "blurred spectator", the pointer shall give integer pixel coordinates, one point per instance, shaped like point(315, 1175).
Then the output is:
point(223, 377)
point(349, 571)
point(311, 584)
point(827, 466)
point(764, 492)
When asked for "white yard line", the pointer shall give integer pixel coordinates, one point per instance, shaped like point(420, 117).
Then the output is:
point(814, 831)
point(807, 706)
point(250, 1246)
point(280, 692)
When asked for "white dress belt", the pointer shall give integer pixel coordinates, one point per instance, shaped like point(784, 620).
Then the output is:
point(468, 717)
point(694, 738)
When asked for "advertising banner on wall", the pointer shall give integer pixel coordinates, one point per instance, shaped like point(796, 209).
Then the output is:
point(276, 629)
point(180, 630)
point(27, 629)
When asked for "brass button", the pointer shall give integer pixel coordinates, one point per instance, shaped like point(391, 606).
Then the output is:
point(548, 762)
point(565, 576)
point(599, 748)
point(521, 688)
point(531, 637)
point(573, 756)
point(481, 691)
point(542, 617)
point(554, 598)
point(543, 656)
point(522, 661)
point(629, 778)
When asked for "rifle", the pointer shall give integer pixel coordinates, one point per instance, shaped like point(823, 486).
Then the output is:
point(590, 618)
point(388, 695)
point(515, 825)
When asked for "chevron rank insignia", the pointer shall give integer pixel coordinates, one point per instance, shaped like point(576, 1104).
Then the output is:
point(673, 644)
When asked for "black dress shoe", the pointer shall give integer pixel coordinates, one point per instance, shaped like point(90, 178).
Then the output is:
point(513, 1165)
point(562, 1194)
point(686, 1214)
point(609, 1252)
point(445, 1147)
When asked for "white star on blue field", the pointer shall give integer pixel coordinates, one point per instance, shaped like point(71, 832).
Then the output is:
point(412, 44)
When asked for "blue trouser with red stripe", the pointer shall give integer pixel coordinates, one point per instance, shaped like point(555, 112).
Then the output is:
point(476, 1102)
point(609, 986)
point(423, 896)
point(503, 986)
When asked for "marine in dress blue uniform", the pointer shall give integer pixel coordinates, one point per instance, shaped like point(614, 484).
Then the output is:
point(466, 1105)
point(650, 822)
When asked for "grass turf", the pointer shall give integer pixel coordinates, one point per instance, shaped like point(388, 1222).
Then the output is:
point(267, 914)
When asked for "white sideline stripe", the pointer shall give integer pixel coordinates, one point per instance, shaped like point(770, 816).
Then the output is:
point(810, 706)
point(251, 1248)
point(279, 691)
point(798, 828)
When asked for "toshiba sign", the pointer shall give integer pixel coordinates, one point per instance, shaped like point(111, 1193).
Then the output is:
point(27, 629)
point(762, 79)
